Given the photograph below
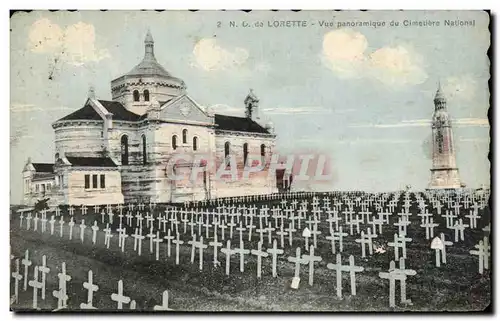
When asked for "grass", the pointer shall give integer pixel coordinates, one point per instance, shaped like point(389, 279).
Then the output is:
point(455, 286)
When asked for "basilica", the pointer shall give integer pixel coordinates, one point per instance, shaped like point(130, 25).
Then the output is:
point(116, 151)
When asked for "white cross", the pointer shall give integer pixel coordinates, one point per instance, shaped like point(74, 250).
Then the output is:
point(36, 285)
point(311, 258)
point(27, 263)
point(157, 240)
point(169, 238)
point(429, 227)
point(177, 242)
point(274, 254)
point(107, 235)
point(91, 288)
point(151, 237)
point(483, 254)
point(82, 229)
point(138, 240)
point(52, 222)
point(472, 216)
point(164, 303)
point(242, 251)
point(215, 244)
point(298, 260)
point(71, 224)
point(260, 254)
point(60, 294)
point(44, 269)
point(17, 277)
point(200, 245)
point(459, 227)
point(119, 297)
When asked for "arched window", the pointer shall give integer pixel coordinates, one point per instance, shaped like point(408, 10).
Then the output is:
point(136, 95)
point(263, 153)
point(146, 95)
point(124, 149)
point(174, 142)
point(226, 153)
point(184, 136)
point(195, 143)
point(245, 153)
point(144, 152)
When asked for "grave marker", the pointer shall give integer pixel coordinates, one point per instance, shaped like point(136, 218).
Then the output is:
point(61, 294)
point(119, 297)
point(27, 263)
point(164, 303)
point(274, 254)
point(91, 288)
point(311, 258)
point(35, 284)
point(17, 277)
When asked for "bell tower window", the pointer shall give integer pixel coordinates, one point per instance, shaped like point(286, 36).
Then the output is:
point(136, 95)
point(439, 141)
point(146, 95)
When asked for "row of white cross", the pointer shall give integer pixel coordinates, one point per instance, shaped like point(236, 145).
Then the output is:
point(38, 283)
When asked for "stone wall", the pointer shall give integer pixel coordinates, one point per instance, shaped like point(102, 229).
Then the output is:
point(80, 139)
point(77, 194)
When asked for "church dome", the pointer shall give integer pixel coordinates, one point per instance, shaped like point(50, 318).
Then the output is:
point(149, 66)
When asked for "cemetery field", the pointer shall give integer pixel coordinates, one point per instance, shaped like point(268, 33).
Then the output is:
point(455, 285)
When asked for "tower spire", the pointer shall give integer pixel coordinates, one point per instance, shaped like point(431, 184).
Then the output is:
point(439, 98)
point(149, 47)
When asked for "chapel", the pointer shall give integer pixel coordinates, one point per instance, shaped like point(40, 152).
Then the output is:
point(116, 151)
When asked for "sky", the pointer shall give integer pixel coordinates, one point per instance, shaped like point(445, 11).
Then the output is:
point(362, 95)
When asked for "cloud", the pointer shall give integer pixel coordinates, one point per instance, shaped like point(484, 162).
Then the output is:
point(74, 44)
point(27, 108)
point(459, 122)
point(225, 109)
point(475, 140)
point(481, 122)
point(21, 108)
point(356, 141)
point(344, 52)
point(460, 87)
point(210, 56)
point(306, 110)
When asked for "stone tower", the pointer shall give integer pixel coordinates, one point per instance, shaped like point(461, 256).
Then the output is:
point(444, 172)
point(146, 82)
point(252, 106)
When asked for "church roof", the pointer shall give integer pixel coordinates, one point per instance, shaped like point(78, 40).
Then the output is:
point(43, 167)
point(91, 161)
point(439, 93)
point(149, 66)
point(88, 112)
point(241, 124)
point(119, 111)
point(43, 176)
